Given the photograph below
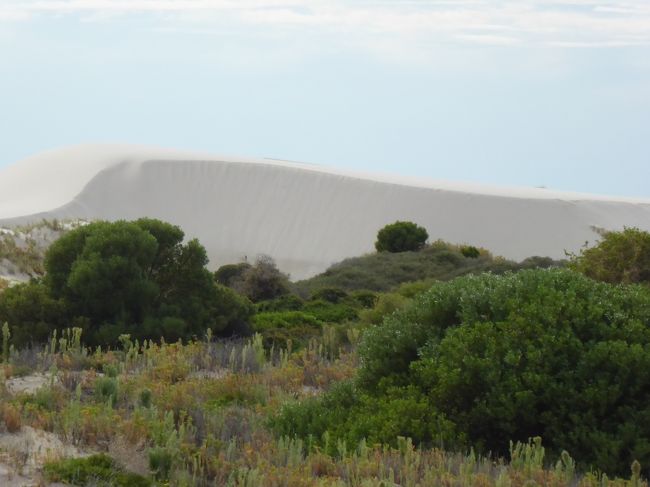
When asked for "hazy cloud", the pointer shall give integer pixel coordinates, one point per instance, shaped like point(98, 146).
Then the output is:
point(566, 23)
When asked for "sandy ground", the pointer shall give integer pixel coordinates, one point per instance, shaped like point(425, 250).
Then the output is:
point(28, 384)
point(304, 216)
point(22, 454)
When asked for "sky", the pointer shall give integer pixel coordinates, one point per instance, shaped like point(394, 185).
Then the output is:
point(552, 93)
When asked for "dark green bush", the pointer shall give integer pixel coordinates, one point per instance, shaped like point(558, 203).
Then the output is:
point(284, 319)
point(106, 389)
point(326, 311)
point(31, 313)
point(483, 360)
point(280, 328)
point(470, 251)
point(160, 462)
point(111, 278)
point(329, 294)
point(96, 470)
point(287, 302)
point(365, 299)
point(401, 237)
point(227, 274)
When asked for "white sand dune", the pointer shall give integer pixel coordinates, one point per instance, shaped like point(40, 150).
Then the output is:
point(306, 217)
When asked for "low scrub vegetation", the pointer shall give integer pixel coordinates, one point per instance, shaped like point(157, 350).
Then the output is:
point(384, 271)
point(441, 366)
point(486, 359)
point(206, 413)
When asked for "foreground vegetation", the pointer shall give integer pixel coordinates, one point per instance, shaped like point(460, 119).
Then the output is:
point(199, 414)
point(404, 367)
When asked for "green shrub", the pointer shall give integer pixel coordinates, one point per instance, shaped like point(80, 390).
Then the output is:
point(106, 389)
point(96, 470)
point(284, 319)
point(227, 274)
point(145, 399)
point(545, 353)
point(160, 462)
point(470, 251)
point(365, 299)
point(401, 237)
point(328, 312)
point(287, 302)
point(32, 313)
point(329, 294)
point(620, 257)
point(349, 414)
point(295, 338)
point(386, 304)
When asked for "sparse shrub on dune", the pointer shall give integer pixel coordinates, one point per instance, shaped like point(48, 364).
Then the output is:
point(260, 281)
point(401, 236)
point(470, 251)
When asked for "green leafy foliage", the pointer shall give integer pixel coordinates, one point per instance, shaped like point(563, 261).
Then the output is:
point(470, 251)
point(401, 237)
point(106, 389)
point(31, 312)
point(620, 257)
point(286, 302)
point(124, 277)
point(96, 470)
point(230, 273)
point(284, 319)
point(279, 328)
point(486, 359)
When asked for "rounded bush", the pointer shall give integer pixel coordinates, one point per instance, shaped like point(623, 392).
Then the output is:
point(401, 237)
point(620, 257)
point(539, 353)
point(470, 252)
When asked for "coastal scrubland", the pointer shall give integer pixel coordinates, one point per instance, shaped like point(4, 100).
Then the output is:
point(439, 366)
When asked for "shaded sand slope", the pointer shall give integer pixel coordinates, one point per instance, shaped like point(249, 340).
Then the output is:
point(306, 217)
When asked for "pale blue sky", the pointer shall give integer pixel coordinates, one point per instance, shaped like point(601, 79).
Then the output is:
point(522, 92)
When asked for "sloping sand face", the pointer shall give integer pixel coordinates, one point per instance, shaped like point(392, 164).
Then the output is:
point(306, 217)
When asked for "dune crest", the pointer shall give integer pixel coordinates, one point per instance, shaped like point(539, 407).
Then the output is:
point(305, 216)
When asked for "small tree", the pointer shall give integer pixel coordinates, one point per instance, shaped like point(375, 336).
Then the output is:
point(401, 237)
point(111, 278)
point(620, 257)
point(261, 281)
